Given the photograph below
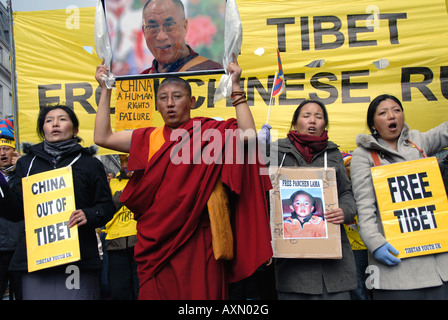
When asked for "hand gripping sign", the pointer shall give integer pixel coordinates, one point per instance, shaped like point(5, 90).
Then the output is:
point(49, 199)
point(413, 206)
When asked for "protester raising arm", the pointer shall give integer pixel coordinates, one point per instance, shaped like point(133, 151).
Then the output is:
point(103, 135)
point(244, 116)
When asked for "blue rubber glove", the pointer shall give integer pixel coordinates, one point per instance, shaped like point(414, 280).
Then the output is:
point(264, 135)
point(385, 254)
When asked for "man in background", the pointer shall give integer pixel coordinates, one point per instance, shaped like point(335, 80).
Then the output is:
point(9, 231)
point(120, 241)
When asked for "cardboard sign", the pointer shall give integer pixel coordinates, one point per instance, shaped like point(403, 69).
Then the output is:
point(413, 206)
point(298, 202)
point(135, 104)
point(49, 199)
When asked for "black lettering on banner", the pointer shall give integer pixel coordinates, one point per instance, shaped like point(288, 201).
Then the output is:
point(305, 28)
point(393, 24)
point(292, 87)
point(327, 33)
point(347, 86)
point(70, 97)
point(320, 32)
point(211, 92)
point(353, 30)
point(329, 87)
point(199, 100)
point(444, 81)
point(334, 37)
point(280, 23)
point(422, 86)
point(254, 83)
point(332, 90)
point(42, 93)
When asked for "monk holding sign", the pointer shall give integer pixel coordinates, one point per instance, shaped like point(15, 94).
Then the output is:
point(170, 199)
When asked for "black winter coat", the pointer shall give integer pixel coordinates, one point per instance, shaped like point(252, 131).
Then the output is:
point(10, 232)
point(92, 195)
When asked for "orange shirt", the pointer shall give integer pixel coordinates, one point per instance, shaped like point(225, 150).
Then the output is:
point(314, 228)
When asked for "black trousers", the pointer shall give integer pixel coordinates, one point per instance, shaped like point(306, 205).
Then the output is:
point(13, 278)
point(431, 293)
point(59, 284)
point(122, 271)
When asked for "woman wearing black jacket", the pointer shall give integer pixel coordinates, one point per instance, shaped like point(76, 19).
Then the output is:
point(58, 126)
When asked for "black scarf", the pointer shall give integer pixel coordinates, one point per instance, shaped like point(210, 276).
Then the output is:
point(8, 171)
point(58, 149)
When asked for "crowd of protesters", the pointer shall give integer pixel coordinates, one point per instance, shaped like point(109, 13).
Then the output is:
point(109, 232)
point(156, 229)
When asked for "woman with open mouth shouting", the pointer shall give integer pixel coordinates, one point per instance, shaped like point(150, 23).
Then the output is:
point(307, 145)
point(421, 277)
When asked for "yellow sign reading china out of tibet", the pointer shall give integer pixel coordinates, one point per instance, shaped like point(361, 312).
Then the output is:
point(413, 206)
point(49, 199)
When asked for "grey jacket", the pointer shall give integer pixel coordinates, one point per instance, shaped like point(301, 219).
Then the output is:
point(309, 275)
point(410, 273)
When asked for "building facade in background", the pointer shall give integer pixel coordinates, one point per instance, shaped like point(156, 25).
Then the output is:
point(6, 105)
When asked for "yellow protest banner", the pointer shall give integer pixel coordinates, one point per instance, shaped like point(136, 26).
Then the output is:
point(344, 53)
point(48, 200)
point(55, 63)
point(413, 206)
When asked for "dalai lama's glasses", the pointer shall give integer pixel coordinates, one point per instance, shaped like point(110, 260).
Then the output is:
point(154, 29)
point(176, 97)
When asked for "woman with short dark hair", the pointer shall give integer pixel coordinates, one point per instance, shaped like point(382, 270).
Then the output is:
point(307, 145)
point(58, 126)
point(392, 141)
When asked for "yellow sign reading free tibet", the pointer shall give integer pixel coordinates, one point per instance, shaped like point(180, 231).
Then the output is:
point(48, 199)
point(413, 206)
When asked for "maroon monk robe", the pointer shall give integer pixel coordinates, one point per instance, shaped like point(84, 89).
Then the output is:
point(174, 253)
